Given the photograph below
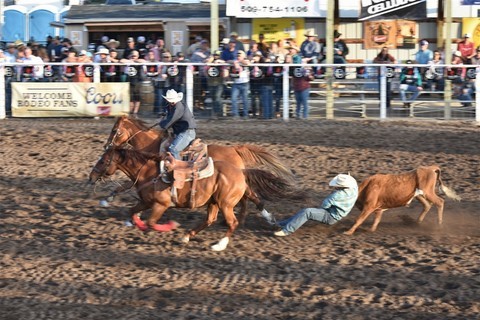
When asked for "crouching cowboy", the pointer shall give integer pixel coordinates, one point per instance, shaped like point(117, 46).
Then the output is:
point(181, 120)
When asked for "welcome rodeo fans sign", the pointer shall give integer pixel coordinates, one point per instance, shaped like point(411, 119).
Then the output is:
point(70, 99)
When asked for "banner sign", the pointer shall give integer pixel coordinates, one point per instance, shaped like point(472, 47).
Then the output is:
point(394, 34)
point(279, 29)
point(69, 99)
point(472, 26)
point(392, 9)
point(273, 8)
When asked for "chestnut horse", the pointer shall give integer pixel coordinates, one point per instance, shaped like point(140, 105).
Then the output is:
point(221, 191)
point(134, 132)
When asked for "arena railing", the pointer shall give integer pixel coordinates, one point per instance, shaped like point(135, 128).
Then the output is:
point(330, 76)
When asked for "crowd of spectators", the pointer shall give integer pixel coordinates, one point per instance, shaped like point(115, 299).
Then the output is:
point(230, 71)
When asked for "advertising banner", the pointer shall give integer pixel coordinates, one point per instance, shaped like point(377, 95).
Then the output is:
point(392, 9)
point(69, 99)
point(274, 8)
point(465, 8)
point(279, 29)
point(394, 34)
point(472, 26)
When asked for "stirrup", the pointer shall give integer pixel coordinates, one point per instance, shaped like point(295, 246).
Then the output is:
point(164, 173)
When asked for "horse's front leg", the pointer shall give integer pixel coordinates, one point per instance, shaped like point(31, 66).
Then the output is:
point(157, 212)
point(113, 194)
point(212, 213)
point(135, 214)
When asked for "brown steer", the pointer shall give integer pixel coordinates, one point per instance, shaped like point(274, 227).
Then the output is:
point(385, 191)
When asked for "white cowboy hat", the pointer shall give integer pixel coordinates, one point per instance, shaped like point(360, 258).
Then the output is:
point(103, 51)
point(173, 96)
point(310, 33)
point(344, 181)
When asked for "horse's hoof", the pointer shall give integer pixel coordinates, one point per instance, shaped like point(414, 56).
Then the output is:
point(104, 203)
point(221, 245)
point(348, 233)
point(185, 239)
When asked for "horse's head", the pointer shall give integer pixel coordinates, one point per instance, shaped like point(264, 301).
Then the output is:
point(106, 165)
point(124, 131)
point(120, 133)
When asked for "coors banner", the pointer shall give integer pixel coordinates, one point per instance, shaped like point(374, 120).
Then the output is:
point(392, 9)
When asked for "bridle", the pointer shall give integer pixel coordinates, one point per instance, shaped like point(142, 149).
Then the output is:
point(119, 133)
point(105, 169)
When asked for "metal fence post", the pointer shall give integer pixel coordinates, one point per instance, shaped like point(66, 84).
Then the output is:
point(477, 96)
point(96, 73)
point(383, 92)
point(286, 93)
point(3, 112)
point(189, 87)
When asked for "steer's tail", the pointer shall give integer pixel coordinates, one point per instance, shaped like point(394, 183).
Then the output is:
point(448, 192)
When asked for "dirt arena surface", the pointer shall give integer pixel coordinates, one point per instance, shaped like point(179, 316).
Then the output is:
point(62, 256)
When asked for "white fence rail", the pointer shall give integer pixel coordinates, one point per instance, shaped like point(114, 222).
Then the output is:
point(363, 99)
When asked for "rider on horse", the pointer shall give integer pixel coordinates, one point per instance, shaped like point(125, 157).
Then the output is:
point(181, 120)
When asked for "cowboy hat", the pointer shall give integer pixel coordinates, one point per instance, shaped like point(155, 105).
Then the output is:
point(112, 43)
point(19, 43)
point(343, 181)
point(103, 51)
point(310, 33)
point(173, 96)
point(336, 34)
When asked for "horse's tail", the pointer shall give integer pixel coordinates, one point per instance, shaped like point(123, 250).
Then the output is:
point(448, 192)
point(254, 156)
point(271, 187)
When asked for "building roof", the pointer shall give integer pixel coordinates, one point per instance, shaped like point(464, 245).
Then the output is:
point(160, 11)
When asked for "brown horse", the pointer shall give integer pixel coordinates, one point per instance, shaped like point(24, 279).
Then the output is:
point(221, 191)
point(134, 132)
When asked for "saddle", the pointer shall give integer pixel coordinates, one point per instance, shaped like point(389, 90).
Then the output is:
point(197, 166)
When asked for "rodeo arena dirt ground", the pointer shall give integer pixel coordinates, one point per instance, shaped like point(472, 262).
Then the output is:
point(63, 256)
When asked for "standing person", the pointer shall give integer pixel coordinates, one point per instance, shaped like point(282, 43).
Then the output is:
point(194, 46)
point(241, 84)
point(410, 81)
point(216, 80)
point(277, 75)
point(37, 66)
point(310, 48)
point(256, 82)
point(334, 208)
point(466, 48)
point(81, 74)
point(423, 55)
point(136, 74)
point(301, 89)
point(384, 57)
point(238, 43)
point(159, 49)
point(229, 53)
point(262, 46)
point(340, 47)
point(180, 119)
point(178, 82)
point(434, 75)
point(129, 48)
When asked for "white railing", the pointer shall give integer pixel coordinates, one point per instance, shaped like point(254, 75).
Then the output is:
point(329, 91)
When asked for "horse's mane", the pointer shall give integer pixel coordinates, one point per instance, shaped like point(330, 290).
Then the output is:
point(144, 126)
point(135, 155)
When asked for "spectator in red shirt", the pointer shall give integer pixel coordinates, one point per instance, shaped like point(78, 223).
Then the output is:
point(467, 48)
